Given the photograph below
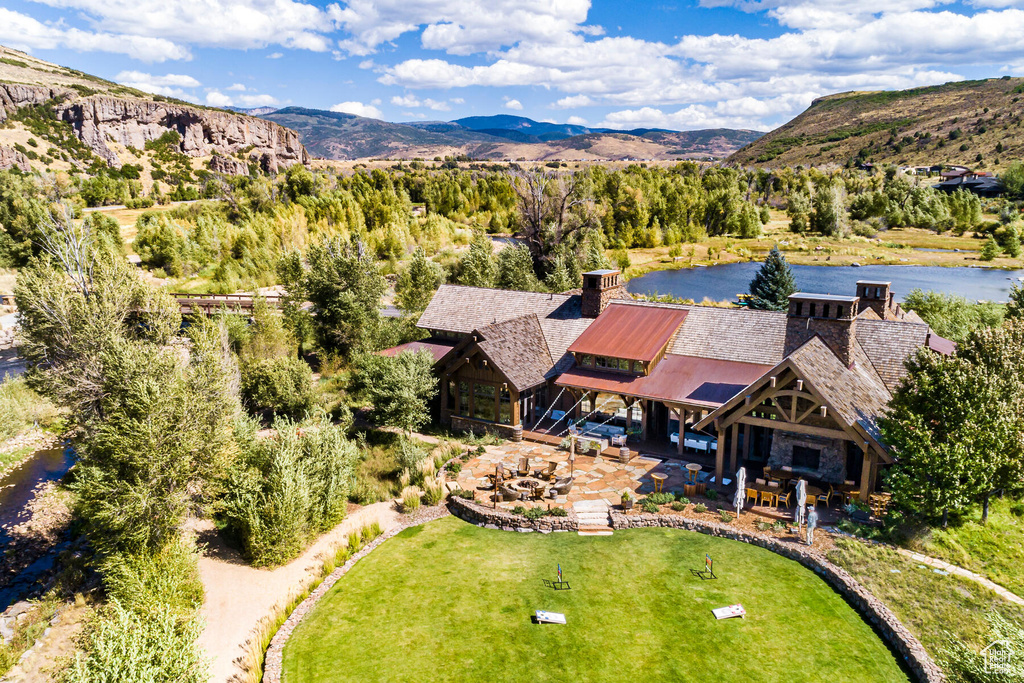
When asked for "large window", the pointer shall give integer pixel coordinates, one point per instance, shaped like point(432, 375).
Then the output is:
point(505, 407)
point(586, 360)
point(464, 399)
point(607, 363)
point(806, 458)
point(483, 401)
point(453, 395)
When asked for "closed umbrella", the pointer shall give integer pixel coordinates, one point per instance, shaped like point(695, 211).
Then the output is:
point(741, 485)
point(801, 500)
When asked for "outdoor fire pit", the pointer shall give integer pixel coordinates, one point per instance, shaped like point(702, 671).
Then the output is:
point(528, 483)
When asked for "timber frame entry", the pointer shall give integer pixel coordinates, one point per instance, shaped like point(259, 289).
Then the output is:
point(784, 401)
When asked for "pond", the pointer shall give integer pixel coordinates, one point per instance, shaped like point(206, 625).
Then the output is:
point(723, 283)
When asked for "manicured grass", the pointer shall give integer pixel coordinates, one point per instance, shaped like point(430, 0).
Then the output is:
point(994, 549)
point(931, 605)
point(450, 601)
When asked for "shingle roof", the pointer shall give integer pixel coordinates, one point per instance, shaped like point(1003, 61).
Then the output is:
point(518, 348)
point(456, 308)
point(857, 394)
point(888, 344)
point(438, 348)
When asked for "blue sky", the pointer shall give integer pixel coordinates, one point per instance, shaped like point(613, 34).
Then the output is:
point(682, 64)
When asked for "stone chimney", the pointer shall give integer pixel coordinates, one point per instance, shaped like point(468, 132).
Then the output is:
point(878, 296)
point(833, 318)
point(599, 287)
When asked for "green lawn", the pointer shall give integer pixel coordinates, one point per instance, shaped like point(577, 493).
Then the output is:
point(450, 601)
point(995, 549)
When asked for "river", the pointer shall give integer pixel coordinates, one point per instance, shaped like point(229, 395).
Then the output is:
point(17, 490)
point(723, 283)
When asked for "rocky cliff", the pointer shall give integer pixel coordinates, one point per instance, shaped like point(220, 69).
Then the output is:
point(12, 158)
point(101, 119)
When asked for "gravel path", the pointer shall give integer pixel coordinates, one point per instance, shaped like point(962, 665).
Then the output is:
point(238, 596)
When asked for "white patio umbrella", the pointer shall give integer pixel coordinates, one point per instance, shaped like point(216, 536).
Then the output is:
point(801, 500)
point(741, 485)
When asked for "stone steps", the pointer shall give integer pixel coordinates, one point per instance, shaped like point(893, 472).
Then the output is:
point(593, 518)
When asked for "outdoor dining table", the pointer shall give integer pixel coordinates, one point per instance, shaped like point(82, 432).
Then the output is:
point(783, 476)
point(692, 469)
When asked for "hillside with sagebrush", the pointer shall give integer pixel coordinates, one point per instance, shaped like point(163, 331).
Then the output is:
point(972, 123)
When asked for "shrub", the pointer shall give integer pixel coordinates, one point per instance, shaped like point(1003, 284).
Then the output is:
point(284, 490)
point(519, 510)
point(711, 494)
point(684, 500)
point(151, 583)
point(535, 513)
point(649, 506)
point(558, 512)
point(283, 386)
point(661, 498)
point(454, 467)
point(724, 516)
point(678, 506)
point(433, 491)
point(700, 507)
point(122, 645)
point(465, 494)
point(1017, 509)
point(410, 499)
point(762, 525)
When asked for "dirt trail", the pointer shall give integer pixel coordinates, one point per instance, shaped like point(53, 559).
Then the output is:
point(238, 596)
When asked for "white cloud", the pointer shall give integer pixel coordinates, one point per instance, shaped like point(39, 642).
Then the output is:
point(359, 109)
point(236, 87)
point(238, 24)
point(513, 104)
point(576, 121)
point(22, 32)
point(461, 28)
point(414, 102)
point(275, 55)
point(215, 98)
point(258, 100)
point(574, 101)
point(168, 84)
point(458, 100)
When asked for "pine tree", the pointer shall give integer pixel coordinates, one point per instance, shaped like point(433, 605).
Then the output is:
point(477, 267)
point(417, 283)
point(771, 287)
point(515, 269)
point(1015, 306)
point(990, 250)
point(558, 279)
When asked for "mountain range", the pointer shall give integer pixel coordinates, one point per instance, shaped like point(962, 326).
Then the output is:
point(336, 135)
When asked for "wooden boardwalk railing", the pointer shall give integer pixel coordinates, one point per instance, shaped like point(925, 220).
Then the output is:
point(211, 303)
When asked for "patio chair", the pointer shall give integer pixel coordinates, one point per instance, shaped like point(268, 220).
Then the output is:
point(767, 472)
point(787, 468)
point(812, 500)
point(546, 472)
point(508, 495)
point(538, 492)
point(769, 498)
point(784, 497)
point(752, 493)
point(760, 481)
point(562, 486)
point(832, 493)
point(524, 467)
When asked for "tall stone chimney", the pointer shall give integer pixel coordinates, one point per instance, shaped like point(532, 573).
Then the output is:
point(879, 297)
point(833, 318)
point(599, 287)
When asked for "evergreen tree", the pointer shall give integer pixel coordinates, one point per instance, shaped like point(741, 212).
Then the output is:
point(595, 258)
point(1012, 244)
point(515, 269)
point(1015, 306)
point(990, 250)
point(417, 283)
point(558, 280)
point(771, 287)
point(477, 267)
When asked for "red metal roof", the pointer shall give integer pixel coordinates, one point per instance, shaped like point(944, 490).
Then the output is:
point(438, 348)
point(629, 331)
point(676, 379)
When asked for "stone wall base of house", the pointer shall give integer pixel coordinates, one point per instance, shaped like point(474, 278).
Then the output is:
point(466, 424)
point(832, 465)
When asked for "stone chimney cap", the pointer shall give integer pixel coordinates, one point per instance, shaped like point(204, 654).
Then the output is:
point(605, 271)
point(806, 296)
point(875, 283)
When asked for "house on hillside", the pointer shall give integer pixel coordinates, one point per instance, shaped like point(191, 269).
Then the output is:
point(981, 183)
point(802, 388)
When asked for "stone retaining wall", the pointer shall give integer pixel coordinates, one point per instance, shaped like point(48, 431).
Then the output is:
point(871, 608)
point(275, 652)
point(497, 518)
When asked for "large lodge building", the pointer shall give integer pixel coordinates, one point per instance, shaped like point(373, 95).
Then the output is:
point(803, 388)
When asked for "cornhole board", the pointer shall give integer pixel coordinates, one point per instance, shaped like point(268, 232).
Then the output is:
point(549, 617)
point(729, 612)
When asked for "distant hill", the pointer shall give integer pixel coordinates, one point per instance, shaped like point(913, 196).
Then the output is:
point(952, 123)
point(334, 135)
